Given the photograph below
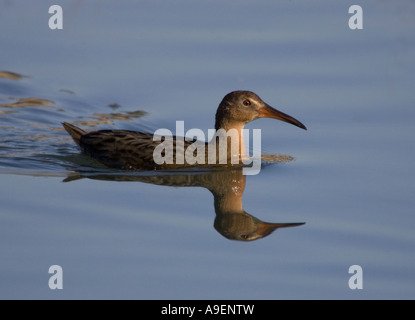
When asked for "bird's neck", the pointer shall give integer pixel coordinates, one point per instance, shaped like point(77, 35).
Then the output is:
point(234, 133)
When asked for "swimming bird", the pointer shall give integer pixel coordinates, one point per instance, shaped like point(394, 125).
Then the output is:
point(133, 150)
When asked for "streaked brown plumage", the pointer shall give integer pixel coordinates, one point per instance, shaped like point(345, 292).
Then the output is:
point(133, 150)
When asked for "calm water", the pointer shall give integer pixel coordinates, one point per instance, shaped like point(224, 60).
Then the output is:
point(144, 65)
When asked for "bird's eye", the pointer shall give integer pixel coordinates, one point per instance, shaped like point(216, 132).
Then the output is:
point(246, 102)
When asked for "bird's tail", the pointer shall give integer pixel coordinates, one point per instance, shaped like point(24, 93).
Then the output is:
point(75, 132)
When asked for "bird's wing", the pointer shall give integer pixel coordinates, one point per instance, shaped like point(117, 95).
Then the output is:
point(120, 148)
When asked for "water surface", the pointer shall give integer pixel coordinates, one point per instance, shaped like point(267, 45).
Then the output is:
point(146, 235)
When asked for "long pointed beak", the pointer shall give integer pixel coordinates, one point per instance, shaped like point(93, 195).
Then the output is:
point(269, 112)
point(265, 228)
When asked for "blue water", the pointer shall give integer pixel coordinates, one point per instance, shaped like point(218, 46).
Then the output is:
point(143, 65)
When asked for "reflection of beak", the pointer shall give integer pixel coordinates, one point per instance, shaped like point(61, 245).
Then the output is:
point(265, 228)
point(269, 112)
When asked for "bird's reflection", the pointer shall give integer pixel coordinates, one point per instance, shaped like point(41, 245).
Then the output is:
point(227, 187)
